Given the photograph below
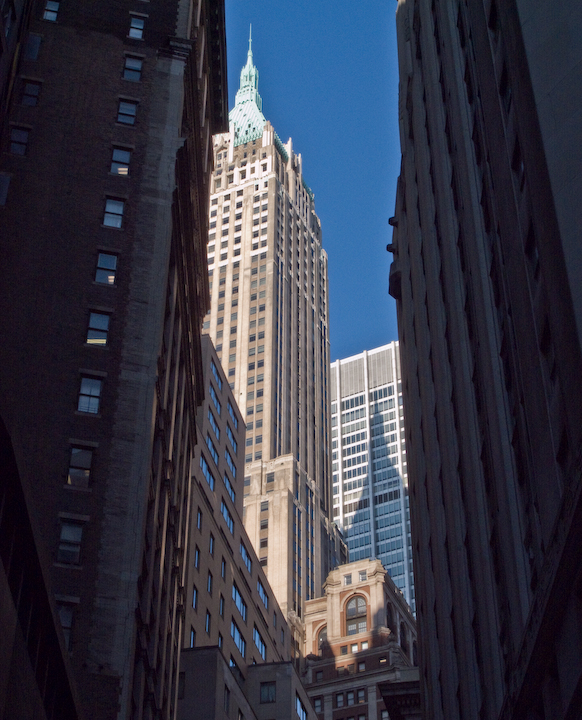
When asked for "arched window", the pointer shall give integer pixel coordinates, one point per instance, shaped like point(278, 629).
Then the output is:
point(390, 617)
point(356, 616)
point(321, 639)
point(403, 637)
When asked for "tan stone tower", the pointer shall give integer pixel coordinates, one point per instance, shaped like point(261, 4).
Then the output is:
point(269, 323)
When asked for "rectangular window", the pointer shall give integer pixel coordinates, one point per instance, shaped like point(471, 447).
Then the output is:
point(30, 93)
point(227, 516)
point(339, 700)
point(318, 705)
point(268, 692)
point(362, 692)
point(136, 27)
point(213, 424)
point(209, 583)
point(132, 68)
point(51, 10)
point(89, 395)
point(211, 544)
point(32, 47)
point(199, 520)
point(126, 112)
point(192, 637)
point(246, 558)
point(221, 606)
point(80, 467)
point(230, 436)
point(65, 612)
point(197, 557)
point(194, 597)
point(208, 622)
point(223, 569)
point(113, 216)
point(120, 161)
point(229, 488)
point(106, 268)
point(262, 594)
point(350, 697)
point(230, 463)
point(212, 449)
point(19, 140)
point(216, 375)
point(215, 399)
point(69, 550)
point(206, 472)
point(239, 602)
point(236, 635)
point(299, 706)
point(98, 329)
point(259, 643)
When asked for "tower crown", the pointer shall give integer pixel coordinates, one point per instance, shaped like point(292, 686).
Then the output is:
point(246, 118)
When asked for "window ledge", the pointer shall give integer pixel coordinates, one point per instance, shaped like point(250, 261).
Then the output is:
point(68, 566)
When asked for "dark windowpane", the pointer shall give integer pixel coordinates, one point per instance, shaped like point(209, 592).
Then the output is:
point(80, 467)
point(32, 47)
point(127, 112)
point(18, 141)
point(120, 161)
point(132, 68)
point(30, 93)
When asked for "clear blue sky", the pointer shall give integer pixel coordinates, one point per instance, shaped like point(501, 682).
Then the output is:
point(328, 78)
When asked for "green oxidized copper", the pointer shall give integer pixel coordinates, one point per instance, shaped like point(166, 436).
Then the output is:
point(246, 118)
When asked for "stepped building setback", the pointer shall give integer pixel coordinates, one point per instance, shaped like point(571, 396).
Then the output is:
point(269, 321)
point(487, 274)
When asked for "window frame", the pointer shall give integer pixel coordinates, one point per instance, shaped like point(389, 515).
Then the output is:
point(90, 387)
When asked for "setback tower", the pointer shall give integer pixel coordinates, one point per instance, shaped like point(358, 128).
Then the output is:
point(269, 322)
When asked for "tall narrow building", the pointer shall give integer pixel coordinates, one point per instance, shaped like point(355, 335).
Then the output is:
point(487, 274)
point(108, 112)
point(269, 323)
point(369, 468)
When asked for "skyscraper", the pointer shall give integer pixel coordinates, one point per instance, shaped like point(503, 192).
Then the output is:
point(369, 469)
point(487, 274)
point(269, 323)
point(104, 181)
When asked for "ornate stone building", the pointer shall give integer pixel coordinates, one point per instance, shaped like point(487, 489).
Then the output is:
point(359, 634)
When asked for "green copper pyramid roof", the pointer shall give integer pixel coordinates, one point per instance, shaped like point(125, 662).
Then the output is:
point(246, 118)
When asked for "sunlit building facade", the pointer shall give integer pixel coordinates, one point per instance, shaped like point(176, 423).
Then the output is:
point(369, 468)
point(269, 322)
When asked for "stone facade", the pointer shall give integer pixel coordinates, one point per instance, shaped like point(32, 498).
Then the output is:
point(359, 634)
point(486, 274)
point(269, 320)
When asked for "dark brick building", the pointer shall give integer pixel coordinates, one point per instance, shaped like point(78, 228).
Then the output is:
point(105, 155)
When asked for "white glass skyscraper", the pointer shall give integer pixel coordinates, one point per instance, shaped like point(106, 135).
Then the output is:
point(369, 470)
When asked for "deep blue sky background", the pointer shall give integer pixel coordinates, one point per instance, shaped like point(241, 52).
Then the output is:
point(329, 80)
